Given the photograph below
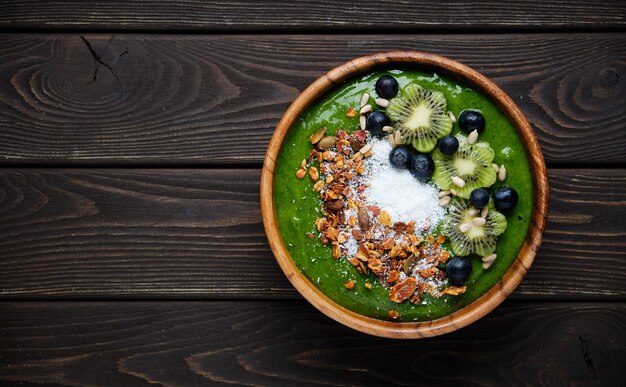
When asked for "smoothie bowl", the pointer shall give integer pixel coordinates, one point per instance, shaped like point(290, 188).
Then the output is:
point(404, 194)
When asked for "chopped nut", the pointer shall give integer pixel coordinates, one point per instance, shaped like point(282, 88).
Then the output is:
point(368, 285)
point(454, 290)
point(399, 227)
point(351, 221)
point(303, 164)
point(441, 239)
point(384, 218)
point(313, 174)
point(502, 173)
point(319, 185)
point(317, 136)
point(392, 277)
point(362, 253)
point(349, 285)
point(388, 243)
point(350, 112)
point(403, 290)
point(430, 239)
point(331, 233)
point(395, 251)
point(310, 235)
point(357, 234)
point(300, 173)
point(333, 205)
point(394, 314)
point(336, 251)
point(375, 265)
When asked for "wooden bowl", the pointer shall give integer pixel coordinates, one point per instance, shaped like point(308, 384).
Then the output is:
point(487, 301)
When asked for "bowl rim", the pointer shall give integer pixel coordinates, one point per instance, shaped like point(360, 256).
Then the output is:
point(490, 299)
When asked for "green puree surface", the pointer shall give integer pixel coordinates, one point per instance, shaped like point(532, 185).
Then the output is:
point(297, 206)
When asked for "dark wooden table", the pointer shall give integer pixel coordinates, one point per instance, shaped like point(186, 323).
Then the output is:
point(131, 245)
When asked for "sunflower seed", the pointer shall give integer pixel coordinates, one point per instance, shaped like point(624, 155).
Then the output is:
point(397, 137)
point(364, 98)
point(495, 167)
point(487, 265)
point(458, 181)
point(473, 212)
point(444, 201)
point(366, 148)
point(388, 129)
point(391, 140)
point(490, 258)
point(362, 122)
point(478, 221)
point(382, 102)
point(453, 191)
point(366, 109)
point(452, 117)
point(502, 173)
point(472, 137)
point(484, 212)
point(465, 227)
point(327, 142)
point(443, 193)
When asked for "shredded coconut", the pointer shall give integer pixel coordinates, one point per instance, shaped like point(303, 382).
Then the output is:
point(399, 193)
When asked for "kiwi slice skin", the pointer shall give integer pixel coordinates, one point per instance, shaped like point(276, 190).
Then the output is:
point(472, 163)
point(421, 117)
point(479, 240)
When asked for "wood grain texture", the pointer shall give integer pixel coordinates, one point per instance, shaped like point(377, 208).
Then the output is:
point(215, 100)
point(303, 15)
point(290, 343)
point(169, 233)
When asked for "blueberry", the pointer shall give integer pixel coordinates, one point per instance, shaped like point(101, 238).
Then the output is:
point(505, 198)
point(421, 167)
point(400, 157)
point(448, 145)
point(458, 269)
point(376, 121)
point(471, 120)
point(479, 198)
point(386, 87)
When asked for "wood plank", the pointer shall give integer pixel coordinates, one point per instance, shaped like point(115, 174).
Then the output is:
point(303, 15)
point(207, 100)
point(163, 233)
point(291, 343)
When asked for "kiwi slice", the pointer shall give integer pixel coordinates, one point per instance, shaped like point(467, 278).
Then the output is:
point(470, 163)
point(421, 117)
point(466, 235)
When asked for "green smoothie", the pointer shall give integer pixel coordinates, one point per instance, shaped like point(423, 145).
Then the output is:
point(298, 206)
